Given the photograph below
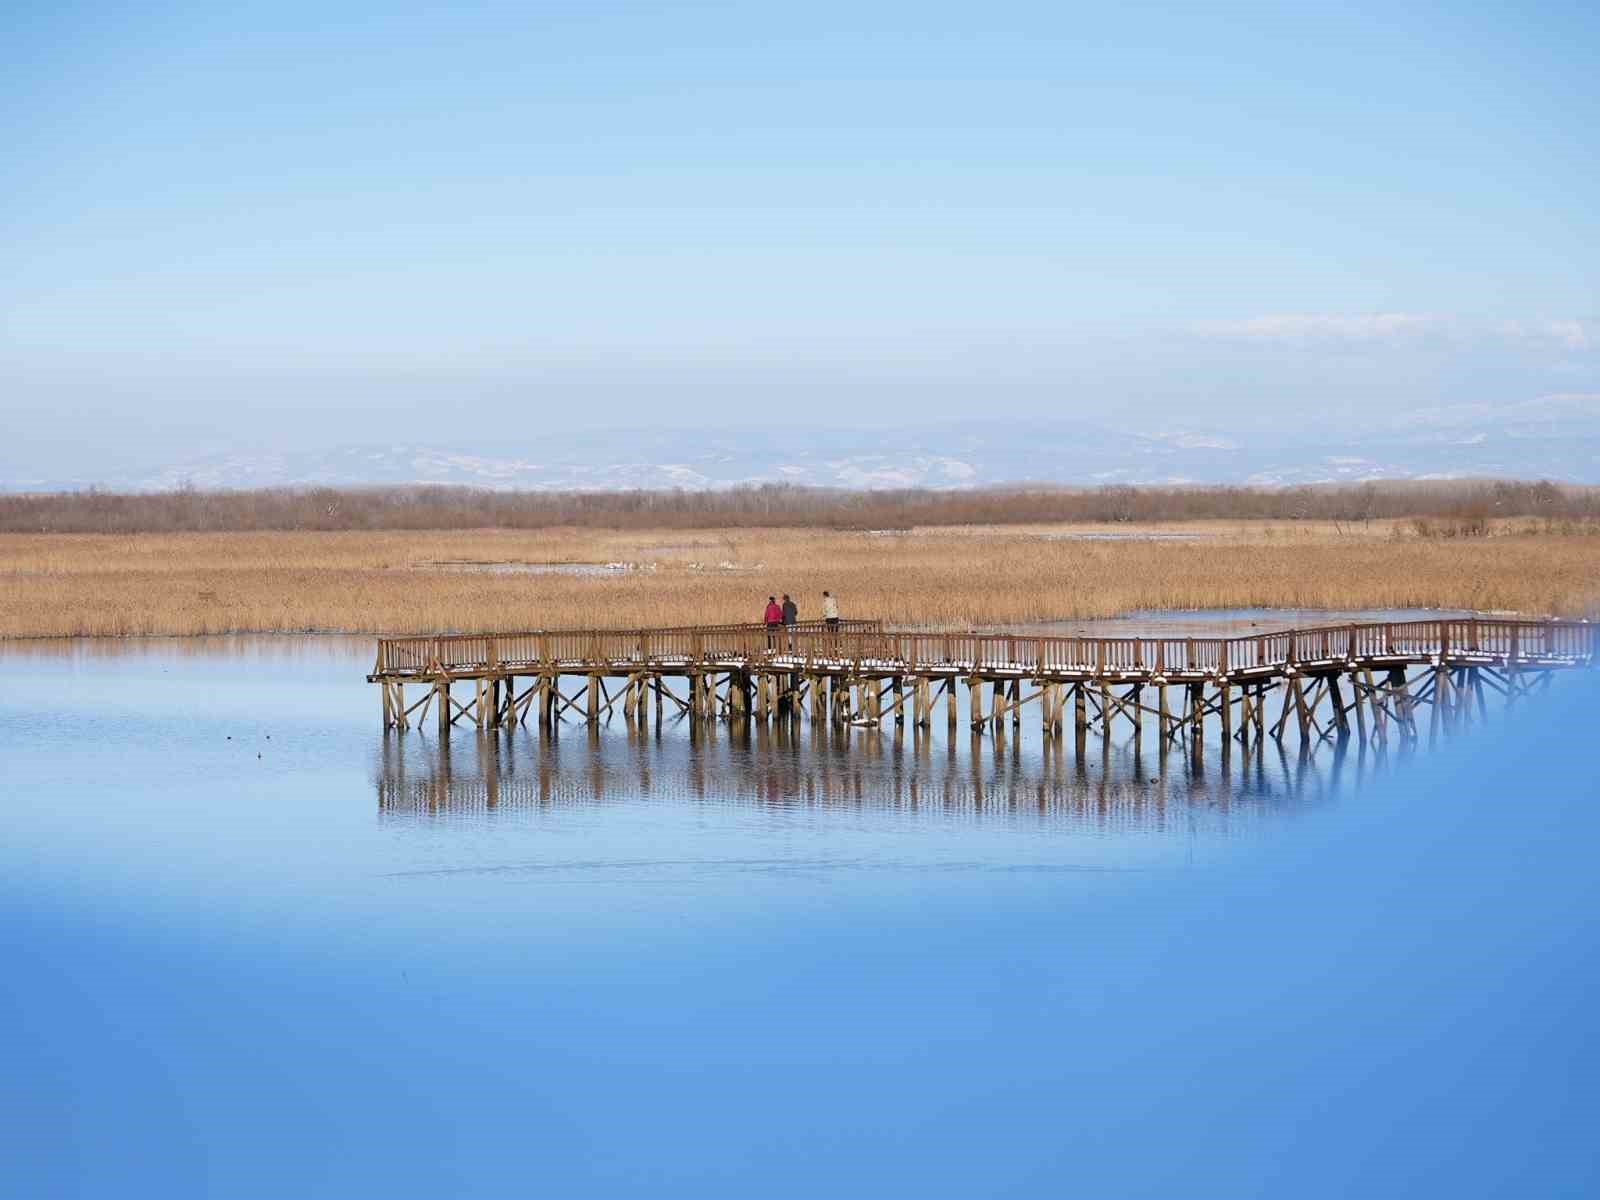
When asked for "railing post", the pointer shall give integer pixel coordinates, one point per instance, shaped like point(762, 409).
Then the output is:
point(1472, 633)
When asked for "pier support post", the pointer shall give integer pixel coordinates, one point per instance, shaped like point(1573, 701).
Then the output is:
point(1356, 703)
point(1440, 716)
point(897, 687)
point(950, 704)
point(1400, 698)
point(1164, 727)
point(441, 700)
point(1080, 717)
point(975, 703)
point(1225, 708)
point(1341, 719)
point(592, 712)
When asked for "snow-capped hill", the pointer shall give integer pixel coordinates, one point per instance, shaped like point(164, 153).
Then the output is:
point(1557, 437)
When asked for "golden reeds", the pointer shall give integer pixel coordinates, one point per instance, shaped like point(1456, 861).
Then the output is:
point(396, 582)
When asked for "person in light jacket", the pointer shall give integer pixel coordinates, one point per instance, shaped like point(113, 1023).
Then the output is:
point(830, 611)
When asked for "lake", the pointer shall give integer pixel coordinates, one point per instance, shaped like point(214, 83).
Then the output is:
point(255, 947)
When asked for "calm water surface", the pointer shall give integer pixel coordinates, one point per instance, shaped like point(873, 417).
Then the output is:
point(258, 948)
point(263, 758)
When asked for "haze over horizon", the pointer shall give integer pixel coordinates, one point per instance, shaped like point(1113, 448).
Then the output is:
point(285, 229)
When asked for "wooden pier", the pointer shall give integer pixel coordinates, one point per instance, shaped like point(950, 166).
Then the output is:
point(1371, 681)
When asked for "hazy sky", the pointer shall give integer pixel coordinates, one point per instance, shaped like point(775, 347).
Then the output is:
point(294, 225)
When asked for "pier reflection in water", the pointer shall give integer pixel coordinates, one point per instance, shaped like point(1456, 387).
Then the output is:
point(1134, 790)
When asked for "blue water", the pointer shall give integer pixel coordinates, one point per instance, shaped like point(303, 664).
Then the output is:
point(253, 948)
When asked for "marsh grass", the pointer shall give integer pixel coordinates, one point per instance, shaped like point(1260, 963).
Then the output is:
point(388, 581)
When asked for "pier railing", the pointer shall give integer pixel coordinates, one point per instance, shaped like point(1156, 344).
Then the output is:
point(478, 651)
point(858, 645)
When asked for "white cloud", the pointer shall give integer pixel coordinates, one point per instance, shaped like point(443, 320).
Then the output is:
point(1566, 333)
point(1571, 333)
point(1322, 327)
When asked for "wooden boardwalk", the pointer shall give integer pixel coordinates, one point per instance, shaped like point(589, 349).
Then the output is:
point(1370, 680)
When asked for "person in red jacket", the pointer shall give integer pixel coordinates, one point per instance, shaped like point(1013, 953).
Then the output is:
point(774, 621)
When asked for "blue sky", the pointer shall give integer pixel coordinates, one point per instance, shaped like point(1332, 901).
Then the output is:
point(285, 226)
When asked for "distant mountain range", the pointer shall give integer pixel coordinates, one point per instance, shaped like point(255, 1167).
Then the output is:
point(1557, 437)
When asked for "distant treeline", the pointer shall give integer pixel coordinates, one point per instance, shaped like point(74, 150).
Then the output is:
point(438, 507)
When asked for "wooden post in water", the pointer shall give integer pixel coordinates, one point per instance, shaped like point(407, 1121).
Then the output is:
point(1400, 697)
point(592, 713)
point(1341, 719)
point(1356, 701)
point(441, 698)
point(975, 703)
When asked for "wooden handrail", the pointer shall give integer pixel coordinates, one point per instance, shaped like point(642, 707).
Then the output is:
point(856, 642)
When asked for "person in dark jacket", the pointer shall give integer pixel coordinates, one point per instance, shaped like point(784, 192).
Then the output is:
point(791, 614)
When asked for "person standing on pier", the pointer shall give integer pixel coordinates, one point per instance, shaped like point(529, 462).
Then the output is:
point(830, 611)
point(774, 622)
point(791, 614)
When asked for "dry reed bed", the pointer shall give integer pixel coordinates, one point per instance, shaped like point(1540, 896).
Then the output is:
point(53, 585)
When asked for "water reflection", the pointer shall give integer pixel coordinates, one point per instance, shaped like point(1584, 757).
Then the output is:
point(918, 776)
